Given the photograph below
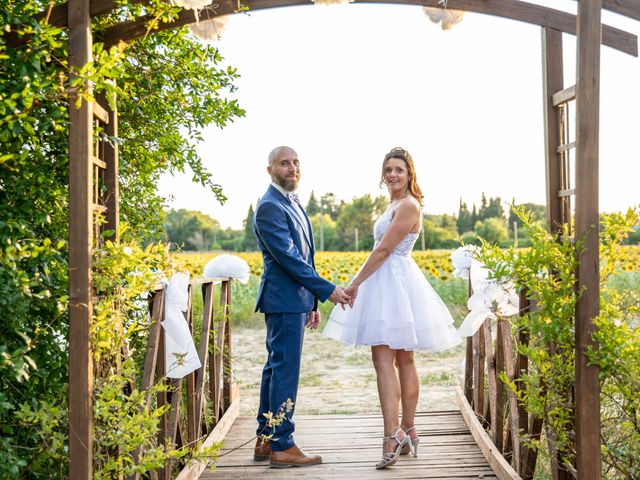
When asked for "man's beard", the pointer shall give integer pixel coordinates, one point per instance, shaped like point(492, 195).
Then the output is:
point(288, 183)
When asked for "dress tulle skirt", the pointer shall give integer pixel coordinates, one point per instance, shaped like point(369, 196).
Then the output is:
point(396, 306)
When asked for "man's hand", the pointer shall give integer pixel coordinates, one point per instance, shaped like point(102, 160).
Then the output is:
point(339, 296)
point(313, 320)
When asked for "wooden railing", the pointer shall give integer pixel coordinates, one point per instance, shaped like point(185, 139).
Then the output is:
point(207, 393)
point(502, 422)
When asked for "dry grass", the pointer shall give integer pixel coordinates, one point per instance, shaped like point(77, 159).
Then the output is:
point(336, 378)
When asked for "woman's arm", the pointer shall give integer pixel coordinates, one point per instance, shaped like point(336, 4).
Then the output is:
point(406, 215)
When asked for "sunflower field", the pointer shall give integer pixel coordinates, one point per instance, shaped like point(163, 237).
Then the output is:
point(340, 267)
point(337, 267)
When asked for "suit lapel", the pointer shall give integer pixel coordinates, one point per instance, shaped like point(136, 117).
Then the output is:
point(294, 212)
point(296, 215)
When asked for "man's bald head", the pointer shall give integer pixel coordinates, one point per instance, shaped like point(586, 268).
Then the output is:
point(284, 167)
point(276, 152)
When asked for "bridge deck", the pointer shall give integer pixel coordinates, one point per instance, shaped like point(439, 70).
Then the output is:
point(351, 444)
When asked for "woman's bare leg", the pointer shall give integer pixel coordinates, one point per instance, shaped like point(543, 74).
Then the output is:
point(388, 390)
point(409, 388)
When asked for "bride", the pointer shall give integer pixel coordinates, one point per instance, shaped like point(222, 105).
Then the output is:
point(396, 311)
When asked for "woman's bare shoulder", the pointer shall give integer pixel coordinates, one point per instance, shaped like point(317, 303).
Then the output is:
point(409, 204)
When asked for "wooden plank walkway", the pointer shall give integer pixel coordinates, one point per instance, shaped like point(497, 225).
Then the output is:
point(351, 445)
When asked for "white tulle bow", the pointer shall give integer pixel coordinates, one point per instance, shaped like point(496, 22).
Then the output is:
point(226, 265)
point(181, 357)
point(209, 29)
point(446, 17)
point(331, 2)
point(461, 258)
point(490, 299)
point(191, 4)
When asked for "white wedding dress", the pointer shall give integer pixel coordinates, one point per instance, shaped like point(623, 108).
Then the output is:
point(396, 305)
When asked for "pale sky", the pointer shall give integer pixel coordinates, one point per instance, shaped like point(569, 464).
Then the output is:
point(344, 84)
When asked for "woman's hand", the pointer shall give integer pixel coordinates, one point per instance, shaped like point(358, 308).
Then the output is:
point(352, 291)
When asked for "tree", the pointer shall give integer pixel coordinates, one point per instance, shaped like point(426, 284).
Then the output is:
point(330, 205)
point(190, 230)
point(470, 238)
point(313, 206)
point(538, 213)
point(437, 236)
point(491, 209)
point(634, 236)
point(448, 222)
point(328, 231)
point(483, 207)
point(250, 240)
point(358, 215)
point(493, 230)
point(495, 210)
point(464, 222)
point(231, 240)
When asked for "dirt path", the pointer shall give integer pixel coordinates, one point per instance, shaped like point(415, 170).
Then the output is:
point(337, 378)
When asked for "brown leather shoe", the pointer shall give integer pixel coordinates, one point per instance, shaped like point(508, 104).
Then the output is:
point(293, 457)
point(262, 450)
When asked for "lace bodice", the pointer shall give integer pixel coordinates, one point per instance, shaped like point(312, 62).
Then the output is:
point(380, 227)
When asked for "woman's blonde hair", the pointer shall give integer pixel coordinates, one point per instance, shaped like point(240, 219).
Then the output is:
point(402, 154)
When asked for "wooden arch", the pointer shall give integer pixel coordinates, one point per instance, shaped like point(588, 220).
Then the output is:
point(77, 15)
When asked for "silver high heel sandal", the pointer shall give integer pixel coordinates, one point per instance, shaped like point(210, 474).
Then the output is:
point(412, 446)
point(389, 458)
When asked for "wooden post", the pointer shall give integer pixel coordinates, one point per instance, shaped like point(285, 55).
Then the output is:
point(552, 82)
point(498, 422)
point(478, 373)
point(80, 245)
point(468, 362)
point(227, 369)
point(208, 313)
point(111, 175)
point(587, 221)
point(162, 398)
point(191, 378)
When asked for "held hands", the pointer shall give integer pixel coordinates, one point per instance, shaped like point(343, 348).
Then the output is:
point(340, 296)
point(352, 291)
point(313, 320)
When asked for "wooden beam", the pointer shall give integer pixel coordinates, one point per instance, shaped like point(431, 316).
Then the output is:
point(194, 468)
point(498, 464)
point(59, 13)
point(552, 81)
point(587, 391)
point(564, 96)
point(627, 8)
point(567, 192)
point(100, 113)
point(512, 9)
point(80, 246)
point(111, 178)
point(566, 148)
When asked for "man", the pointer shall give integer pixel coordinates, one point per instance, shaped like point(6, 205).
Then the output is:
point(288, 296)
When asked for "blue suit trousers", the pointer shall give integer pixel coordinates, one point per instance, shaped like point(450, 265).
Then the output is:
point(281, 373)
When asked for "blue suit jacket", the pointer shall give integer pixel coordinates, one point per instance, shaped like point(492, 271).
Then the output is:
point(289, 281)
